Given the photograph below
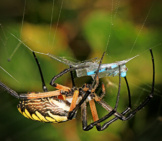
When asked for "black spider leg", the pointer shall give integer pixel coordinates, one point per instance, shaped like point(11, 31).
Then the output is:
point(127, 110)
point(84, 112)
point(107, 107)
point(14, 93)
point(105, 125)
point(72, 77)
point(72, 113)
point(41, 74)
point(9, 90)
point(96, 75)
point(52, 83)
point(148, 98)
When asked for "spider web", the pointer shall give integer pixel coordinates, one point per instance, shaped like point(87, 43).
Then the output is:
point(67, 36)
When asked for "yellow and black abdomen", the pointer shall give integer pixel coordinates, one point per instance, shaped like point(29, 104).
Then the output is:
point(45, 109)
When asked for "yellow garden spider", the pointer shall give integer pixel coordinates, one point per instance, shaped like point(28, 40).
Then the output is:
point(62, 105)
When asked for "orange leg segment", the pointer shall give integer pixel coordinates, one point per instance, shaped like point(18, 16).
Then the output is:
point(47, 94)
point(74, 100)
point(40, 95)
point(61, 87)
point(93, 110)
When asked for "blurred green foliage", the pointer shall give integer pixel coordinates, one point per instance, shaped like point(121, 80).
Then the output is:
point(83, 31)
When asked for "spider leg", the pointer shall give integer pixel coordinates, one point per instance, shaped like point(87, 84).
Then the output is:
point(98, 126)
point(96, 75)
point(84, 115)
point(129, 94)
point(145, 102)
point(31, 95)
point(74, 100)
point(96, 123)
point(72, 113)
point(93, 110)
point(94, 113)
point(40, 95)
point(9, 90)
point(105, 125)
point(97, 83)
point(127, 110)
point(14, 93)
point(112, 111)
point(52, 83)
point(103, 91)
point(23, 96)
point(61, 87)
point(41, 74)
point(108, 108)
point(72, 78)
point(64, 88)
point(148, 98)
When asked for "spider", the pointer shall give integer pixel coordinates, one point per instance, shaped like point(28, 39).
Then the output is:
point(62, 105)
